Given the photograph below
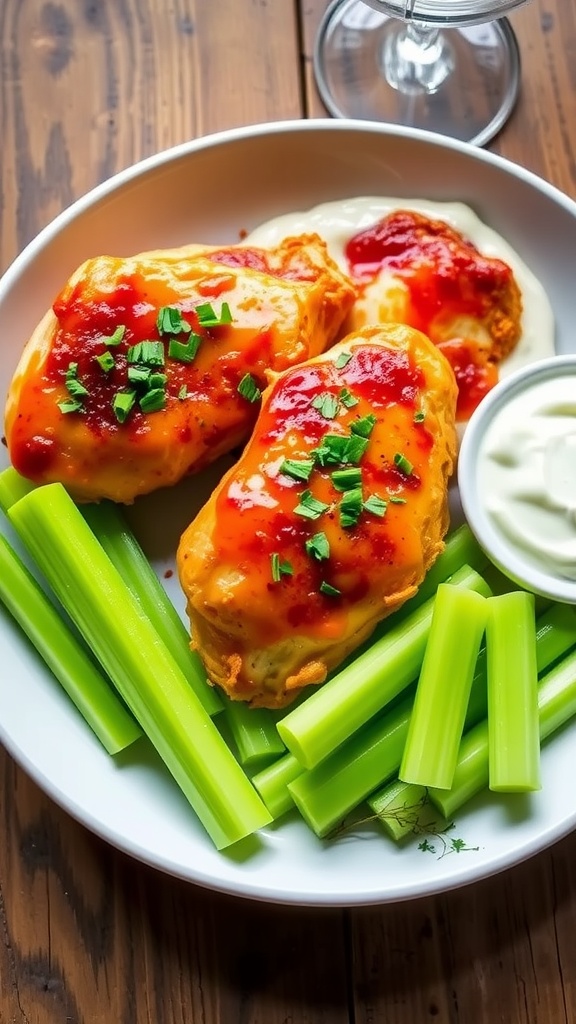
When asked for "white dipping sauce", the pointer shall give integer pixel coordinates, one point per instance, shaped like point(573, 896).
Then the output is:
point(338, 222)
point(527, 474)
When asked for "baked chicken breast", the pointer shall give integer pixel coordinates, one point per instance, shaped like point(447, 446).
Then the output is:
point(329, 520)
point(148, 368)
point(416, 270)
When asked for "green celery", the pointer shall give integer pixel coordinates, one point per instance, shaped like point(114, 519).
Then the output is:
point(13, 487)
point(327, 793)
point(254, 732)
point(443, 690)
point(64, 655)
point(109, 525)
point(272, 784)
point(138, 663)
point(556, 704)
point(373, 754)
point(403, 810)
point(513, 734)
point(348, 700)
point(555, 635)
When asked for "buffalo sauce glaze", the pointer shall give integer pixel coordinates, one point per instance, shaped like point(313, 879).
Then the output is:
point(88, 316)
point(446, 276)
point(256, 509)
point(352, 229)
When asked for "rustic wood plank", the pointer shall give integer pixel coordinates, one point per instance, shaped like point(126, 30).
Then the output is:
point(88, 935)
point(89, 88)
point(496, 953)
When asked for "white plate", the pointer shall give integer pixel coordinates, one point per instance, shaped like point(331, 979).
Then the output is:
point(210, 190)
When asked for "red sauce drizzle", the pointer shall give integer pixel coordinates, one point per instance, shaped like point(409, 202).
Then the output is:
point(446, 277)
point(85, 320)
point(251, 533)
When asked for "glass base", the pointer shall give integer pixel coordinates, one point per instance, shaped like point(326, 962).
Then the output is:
point(467, 89)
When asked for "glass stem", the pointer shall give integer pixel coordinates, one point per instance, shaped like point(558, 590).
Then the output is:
point(416, 57)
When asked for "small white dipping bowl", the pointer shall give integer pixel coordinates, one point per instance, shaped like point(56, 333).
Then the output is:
point(505, 445)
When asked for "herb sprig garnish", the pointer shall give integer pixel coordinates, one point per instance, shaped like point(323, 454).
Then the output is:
point(279, 567)
point(248, 388)
point(147, 387)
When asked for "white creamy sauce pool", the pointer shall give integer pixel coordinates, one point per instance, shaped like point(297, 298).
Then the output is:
point(337, 222)
point(527, 472)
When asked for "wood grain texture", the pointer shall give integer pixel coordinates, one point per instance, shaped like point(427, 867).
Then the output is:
point(89, 936)
point(89, 87)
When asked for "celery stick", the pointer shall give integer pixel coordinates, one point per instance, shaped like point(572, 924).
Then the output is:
point(330, 715)
point(403, 810)
point(513, 734)
point(64, 655)
point(13, 487)
point(374, 753)
point(556, 704)
point(272, 784)
point(327, 793)
point(254, 732)
point(555, 634)
point(444, 686)
point(110, 527)
point(139, 664)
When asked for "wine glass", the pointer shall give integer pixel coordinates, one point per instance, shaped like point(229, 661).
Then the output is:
point(449, 66)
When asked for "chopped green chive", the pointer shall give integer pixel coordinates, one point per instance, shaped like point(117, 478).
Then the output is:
point(348, 399)
point(148, 353)
point(139, 374)
point(157, 380)
point(346, 479)
point(115, 338)
point(70, 405)
point(154, 400)
point(403, 464)
point(75, 388)
point(327, 405)
point(350, 507)
point(105, 361)
point(183, 393)
point(184, 352)
point(279, 568)
point(419, 416)
point(329, 590)
point(376, 505)
point(122, 404)
point(318, 547)
point(207, 317)
point(340, 448)
point(298, 469)
point(397, 501)
point(310, 507)
point(169, 321)
point(248, 388)
point(364, 426)
point(71, 371)
point(342, 360)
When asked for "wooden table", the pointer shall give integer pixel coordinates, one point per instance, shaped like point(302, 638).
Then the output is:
point(88, 935)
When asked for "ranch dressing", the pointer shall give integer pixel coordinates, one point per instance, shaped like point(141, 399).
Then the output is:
point(337, 222)
point(527, 474)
